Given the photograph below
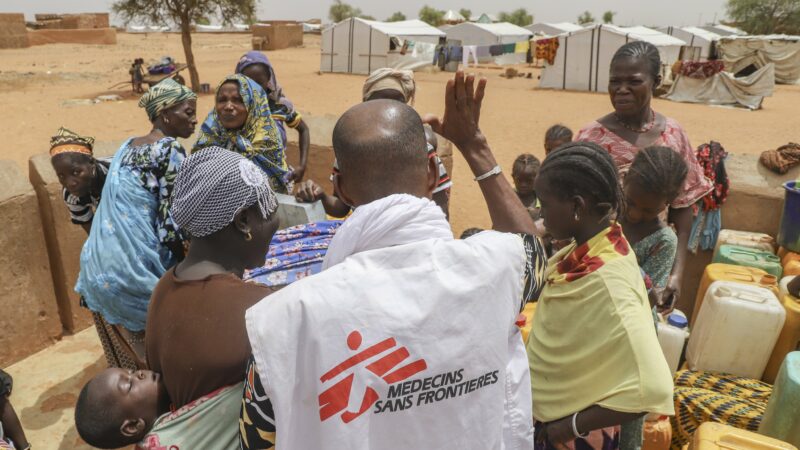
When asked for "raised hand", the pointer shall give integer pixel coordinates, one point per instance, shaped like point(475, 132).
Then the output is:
point(462, 112)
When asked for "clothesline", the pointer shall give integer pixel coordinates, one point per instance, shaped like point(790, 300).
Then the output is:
point(463, 53)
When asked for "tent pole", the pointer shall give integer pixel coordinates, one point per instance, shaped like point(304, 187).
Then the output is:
point(597, 60)
point(591, 60)
point(564, 73)
point(369, 56)
point(333, 40)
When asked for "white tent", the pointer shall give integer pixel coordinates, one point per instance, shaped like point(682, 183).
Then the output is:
point(453, 17)
point(740, 52)
point(361, 46)
point(487, 18)
point(724, 30)
point(700, 43)
point(553, 29)
point(725, 89)
point(584, 57)
point(486, 34)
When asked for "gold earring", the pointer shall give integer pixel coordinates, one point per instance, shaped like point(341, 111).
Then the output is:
point(248, 236)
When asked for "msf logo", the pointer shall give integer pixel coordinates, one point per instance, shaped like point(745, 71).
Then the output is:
point(380, 360)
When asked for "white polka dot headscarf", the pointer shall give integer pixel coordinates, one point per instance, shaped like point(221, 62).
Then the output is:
point(213, 185)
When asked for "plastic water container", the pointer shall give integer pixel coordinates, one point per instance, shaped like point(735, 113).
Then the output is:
point(712, 436)
point(783, 252)
point(791, 263)
point(783, 410)
point(750, 257)
point(672, 336)
point(789, 338)
point(758, 241)
point(657, 434)
point(729, 272)
point(789, 234)
point(736, 330)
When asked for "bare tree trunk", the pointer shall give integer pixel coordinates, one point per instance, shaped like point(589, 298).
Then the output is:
point(186, 38)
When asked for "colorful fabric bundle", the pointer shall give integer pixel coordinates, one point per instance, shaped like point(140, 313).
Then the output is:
point(546, 49)
point(711, 397)
point(295, 253)
point(701, 69)
point(164, 95)
point(782, 159)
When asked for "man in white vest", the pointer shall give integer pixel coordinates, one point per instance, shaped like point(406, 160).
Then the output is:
point(407, 338)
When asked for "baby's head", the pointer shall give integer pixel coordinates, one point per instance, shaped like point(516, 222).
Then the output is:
point(524, 172)
point(555, 137)
point(654, 180)
point(469, 232)
point(118, 407)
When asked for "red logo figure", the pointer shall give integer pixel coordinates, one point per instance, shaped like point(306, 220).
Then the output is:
point(335, 399)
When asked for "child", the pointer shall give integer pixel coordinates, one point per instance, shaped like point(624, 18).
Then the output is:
point(12, 436)
point(594, 285)
point(555, 137)
point(524, 172)
point(654, 180)
point(118, 408)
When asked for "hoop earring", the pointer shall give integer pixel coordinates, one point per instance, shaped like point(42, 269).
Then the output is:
point(576, 217)
point(248, 237)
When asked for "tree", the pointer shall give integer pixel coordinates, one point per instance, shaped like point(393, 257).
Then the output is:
point(518, 17)
point(586, 18)
point(340, 11)
point(765, 16)
point(366, 17)
point(183, 13)
point(396, 17)
point(465, 12)
point(431, 16)
point(608, 16)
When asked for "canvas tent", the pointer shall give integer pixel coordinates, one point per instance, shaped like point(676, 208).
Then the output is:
point(451, 17)
point(487, 18)
point(741, 52)
point(485, 34)
point(725, 89)
point(552, 29)
point(361, 46)
point(700, 43)
point(584, 57)
point(724, 30)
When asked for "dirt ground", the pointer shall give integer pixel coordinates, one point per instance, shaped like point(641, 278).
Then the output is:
point(37, 84)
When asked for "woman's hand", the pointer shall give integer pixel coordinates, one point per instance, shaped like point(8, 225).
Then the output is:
point(297, 174)
point(670, 294)
point(462, 113)
point(308, 192)
point(560, 432)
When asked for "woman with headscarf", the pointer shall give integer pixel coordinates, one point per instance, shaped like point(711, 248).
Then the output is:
point(382, 84)
point(134, 239)
point(256, 66)
point(241, 121)
point(80, 174)
point(196, 335)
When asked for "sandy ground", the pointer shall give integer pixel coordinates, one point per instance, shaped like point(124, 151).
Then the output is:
point(36, 85)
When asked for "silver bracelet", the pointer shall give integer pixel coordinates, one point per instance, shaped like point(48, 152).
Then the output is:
point(575, 427)
point(495, 171)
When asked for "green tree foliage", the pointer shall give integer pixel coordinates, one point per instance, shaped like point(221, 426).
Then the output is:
point(396, 17)
point(766, 16)
point(608, 16)
point(184, 13)
point(466, 13)
point(431, 16)
point(585, 18)
point(340, 11)
point(517, 17)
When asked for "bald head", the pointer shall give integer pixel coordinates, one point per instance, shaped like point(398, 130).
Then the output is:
point(381, 150)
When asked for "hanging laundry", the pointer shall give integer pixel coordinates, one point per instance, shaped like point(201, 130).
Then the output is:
point(701, 69)
point(707, 222)
point(455, 53)
point(483, 54)
point(546, 50)
point(509, 48)
point(496, 50)
point(522, 47)
point(470, 50)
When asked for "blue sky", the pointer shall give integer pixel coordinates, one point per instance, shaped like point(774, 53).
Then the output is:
point(629, 12)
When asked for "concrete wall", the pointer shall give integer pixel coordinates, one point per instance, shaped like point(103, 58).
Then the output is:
point(13, 33)
point(755, 203)
point(96, 36)
point(28, 312)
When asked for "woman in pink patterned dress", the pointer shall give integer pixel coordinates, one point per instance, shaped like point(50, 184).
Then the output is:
point(633, 125)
